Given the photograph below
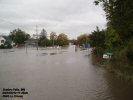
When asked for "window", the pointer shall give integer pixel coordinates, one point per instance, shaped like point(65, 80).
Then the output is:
point(2, 41)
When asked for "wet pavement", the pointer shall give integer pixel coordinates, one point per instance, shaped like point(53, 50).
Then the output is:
point(59, 74)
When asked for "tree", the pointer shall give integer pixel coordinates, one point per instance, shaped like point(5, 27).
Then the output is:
point(18, 36)
point(118, 37)
point(122, 19)
point(82, 39)
point(119, 14)
point(43, 33)
point(53, 37)
point(63, 39)
point(112, 39)
point(97, 40)
point(43, 41)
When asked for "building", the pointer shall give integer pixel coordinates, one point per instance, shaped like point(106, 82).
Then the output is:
point(2, 40)
point(6, 42)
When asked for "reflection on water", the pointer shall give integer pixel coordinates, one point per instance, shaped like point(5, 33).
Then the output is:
point(44, 54)
point(59, 75)
point(53, 53)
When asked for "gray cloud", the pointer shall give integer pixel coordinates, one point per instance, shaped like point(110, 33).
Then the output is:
point(72, 17)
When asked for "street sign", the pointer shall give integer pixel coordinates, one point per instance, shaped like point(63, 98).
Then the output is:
point(107, 55)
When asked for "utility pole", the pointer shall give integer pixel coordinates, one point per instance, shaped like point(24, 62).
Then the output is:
point(37, 36)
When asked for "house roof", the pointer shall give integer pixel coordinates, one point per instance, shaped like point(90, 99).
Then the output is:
point(8, 39)
point(1, 37)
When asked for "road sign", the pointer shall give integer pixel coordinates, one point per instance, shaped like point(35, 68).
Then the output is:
point(107, 55)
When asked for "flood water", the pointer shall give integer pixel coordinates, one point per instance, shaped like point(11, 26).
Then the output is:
point(59, 74)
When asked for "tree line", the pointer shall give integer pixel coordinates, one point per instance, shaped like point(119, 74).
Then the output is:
point(117, 38)
point(18, 37)
point(53, 40)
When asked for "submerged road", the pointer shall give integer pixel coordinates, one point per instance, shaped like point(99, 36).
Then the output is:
point(62, 74)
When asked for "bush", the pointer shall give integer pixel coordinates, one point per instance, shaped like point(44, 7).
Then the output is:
point(2, 46)
point(129, 53)
point(6, 46)
point(98, 51)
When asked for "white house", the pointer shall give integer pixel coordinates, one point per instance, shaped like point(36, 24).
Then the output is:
point(2, 40)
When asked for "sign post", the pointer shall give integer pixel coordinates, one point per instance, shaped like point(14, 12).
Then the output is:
point(107, 55)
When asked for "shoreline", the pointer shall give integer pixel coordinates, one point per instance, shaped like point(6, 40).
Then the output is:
point(107, 65)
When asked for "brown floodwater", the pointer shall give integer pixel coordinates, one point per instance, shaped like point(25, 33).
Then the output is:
point(59, 74)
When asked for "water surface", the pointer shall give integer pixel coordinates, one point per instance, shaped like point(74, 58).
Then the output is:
point(59, 74)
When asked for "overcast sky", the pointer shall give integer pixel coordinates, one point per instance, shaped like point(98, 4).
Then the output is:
point(71, 17)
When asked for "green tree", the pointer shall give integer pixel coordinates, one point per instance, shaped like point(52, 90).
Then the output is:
point(43, 33)
point(119, 32)
point(18, 36)
point(97, 38)
point(122, 18)
point(97, 41)
point(112, 39)
point(119, 14)
point(43, 40)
